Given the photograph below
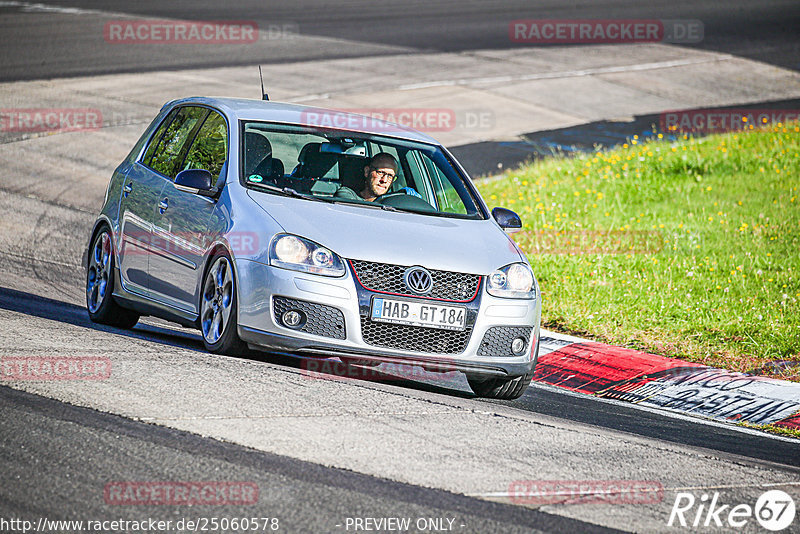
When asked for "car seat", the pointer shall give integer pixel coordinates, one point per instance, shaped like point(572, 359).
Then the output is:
point(312, 163)
point(258, 157)
point(351, 171)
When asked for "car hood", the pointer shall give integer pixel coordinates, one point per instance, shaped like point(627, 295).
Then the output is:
point(402, 238)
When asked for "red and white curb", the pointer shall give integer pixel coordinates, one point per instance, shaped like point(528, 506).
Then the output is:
point(658, 382)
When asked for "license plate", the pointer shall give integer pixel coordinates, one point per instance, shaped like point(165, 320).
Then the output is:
point(419, 314)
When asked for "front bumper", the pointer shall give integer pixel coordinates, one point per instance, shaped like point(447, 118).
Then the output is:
point(260, 285)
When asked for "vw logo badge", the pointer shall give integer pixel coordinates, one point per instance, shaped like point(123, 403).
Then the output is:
point(418, 280)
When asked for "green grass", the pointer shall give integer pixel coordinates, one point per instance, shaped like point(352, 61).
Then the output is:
point(774, 429)
point(687, 248)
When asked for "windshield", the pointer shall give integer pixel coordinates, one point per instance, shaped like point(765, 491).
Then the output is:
point(354, 168)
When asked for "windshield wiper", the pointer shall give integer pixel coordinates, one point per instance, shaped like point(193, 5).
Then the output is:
point(364, 203)
point(287, 191)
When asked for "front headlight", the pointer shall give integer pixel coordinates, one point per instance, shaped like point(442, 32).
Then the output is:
point(514, 281)
point(299, 254)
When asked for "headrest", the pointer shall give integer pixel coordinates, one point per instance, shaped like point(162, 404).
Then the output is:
point(313, 163)
point(257, 147)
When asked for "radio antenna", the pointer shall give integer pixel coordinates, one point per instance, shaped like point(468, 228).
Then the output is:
point(264, 96)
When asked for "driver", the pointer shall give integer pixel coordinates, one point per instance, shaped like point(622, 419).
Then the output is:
point(379, 175)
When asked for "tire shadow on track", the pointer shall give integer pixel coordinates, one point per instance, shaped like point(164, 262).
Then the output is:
point(314, 368)
point(403, 375)
point(66, 312)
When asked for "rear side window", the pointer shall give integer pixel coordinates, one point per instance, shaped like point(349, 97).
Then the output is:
point(158, 135)
point(170, 151)
point(209, 150)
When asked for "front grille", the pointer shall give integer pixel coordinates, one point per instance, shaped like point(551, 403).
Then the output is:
point(414, 338)
point(321, 320)
point(497, 340)
point(388, 278)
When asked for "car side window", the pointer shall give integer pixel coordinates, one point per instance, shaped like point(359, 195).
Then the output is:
point(446, 195)
point(420, 177)
point(209, 150)
point(171, 150)
point(154, 141)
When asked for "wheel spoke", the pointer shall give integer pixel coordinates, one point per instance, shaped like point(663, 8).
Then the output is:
point(92, 296)
point(106, 250)
point(96, 253)
point(225, 311)
point(216, 326)
point(220, 278)
point(207, 316)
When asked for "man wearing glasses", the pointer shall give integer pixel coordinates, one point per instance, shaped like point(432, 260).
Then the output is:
point(379, 175)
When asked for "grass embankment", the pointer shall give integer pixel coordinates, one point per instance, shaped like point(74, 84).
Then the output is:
point(774, 429)
point(687, 248)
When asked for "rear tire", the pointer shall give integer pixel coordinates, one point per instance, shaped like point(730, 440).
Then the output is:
point(218, 308)
point(100, 303)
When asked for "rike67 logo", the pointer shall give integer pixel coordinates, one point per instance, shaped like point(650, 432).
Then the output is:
point(774, 510)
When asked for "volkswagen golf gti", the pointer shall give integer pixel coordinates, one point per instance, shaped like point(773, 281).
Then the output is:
point(318, 233)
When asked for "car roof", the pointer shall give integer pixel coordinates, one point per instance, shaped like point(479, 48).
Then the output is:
point(280, 112)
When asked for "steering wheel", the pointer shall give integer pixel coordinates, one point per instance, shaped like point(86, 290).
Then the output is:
point(390, 196)
point(405, 201)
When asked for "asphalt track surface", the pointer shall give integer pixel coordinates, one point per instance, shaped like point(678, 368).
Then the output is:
point(541, 399)
point(85, 449)
point(57, 457)
point(70, 43)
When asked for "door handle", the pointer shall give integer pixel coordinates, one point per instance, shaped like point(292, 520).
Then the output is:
point(127, 189)
point(163, 205)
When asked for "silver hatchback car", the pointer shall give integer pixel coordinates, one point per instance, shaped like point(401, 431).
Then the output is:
point(316, 232)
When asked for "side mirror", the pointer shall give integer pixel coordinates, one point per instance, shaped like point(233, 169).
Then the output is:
point(507, 219)
point(197, 181)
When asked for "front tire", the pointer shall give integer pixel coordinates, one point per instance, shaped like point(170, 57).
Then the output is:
point(100, 301)
point(503, 388)
point(218, 308)
point(500, 388)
